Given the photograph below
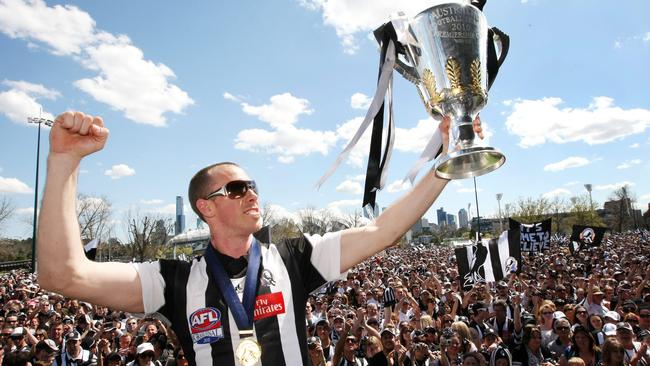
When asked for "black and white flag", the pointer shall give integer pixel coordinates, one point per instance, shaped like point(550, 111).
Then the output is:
point(586, 236)
point(535, 237)
point(91, 249)
point(489, 260)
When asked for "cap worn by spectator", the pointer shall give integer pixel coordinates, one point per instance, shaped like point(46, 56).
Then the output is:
point(609, 329)
point(87, 343)
point(390, 330)
point(624, 326)
point(479, 306)
point(144, 347)
point(73, 336)
point(597, 291)
point(48, 345)
point(502, 284)
point(489, 332)
point(322, 321)
point(67, 320)
point(559, 315)
point(612, 315)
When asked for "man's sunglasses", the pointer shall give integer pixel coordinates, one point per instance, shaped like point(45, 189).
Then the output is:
point(234, 190)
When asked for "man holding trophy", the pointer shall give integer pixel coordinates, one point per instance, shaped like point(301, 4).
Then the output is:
point(242, 303)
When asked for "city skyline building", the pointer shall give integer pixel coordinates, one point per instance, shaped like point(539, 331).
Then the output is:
point(179, 225)
point(463, 219)
point(451, 221)
point(442, 216)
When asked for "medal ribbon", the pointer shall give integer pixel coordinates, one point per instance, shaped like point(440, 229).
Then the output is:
point(242, 311)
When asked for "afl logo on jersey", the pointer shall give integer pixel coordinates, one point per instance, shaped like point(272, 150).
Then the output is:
point(205, 326)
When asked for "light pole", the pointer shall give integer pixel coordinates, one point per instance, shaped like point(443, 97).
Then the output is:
point(47, 122)
point(499, 196)
point(591, 202)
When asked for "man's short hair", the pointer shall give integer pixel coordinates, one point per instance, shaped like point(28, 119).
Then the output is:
point(199, 185)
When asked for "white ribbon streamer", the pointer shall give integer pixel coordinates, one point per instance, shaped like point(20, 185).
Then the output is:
point(382, 86)
point(427, 155)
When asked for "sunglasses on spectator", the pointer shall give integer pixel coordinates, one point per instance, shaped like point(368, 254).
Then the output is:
point(562, 328)
point(351, 341)
point(234, 189)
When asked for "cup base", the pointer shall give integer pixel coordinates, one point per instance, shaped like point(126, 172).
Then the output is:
point(469, 162)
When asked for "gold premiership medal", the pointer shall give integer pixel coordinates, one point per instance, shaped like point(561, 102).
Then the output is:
point(248, 352)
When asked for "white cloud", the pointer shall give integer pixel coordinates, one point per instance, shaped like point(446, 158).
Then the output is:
point(283, 110)
point(286, 142)
point(349, 186)
point(25, 211)
point(280, 212)
point(119, 171)
point(154, 201)
point(360, 152)
point(556, 193)
point(126, 81)
point(539, 121)
point(169, 209)
point(285, 139)
point(646, 37)
point(645, 197)
point(398, 186)
point(360, 101)
point(32, 89)
point(339, 208)
point(570, 162)
point(613, 186)
point(411, 140)
point(20, 101)
point(629, 163)
point(572, 183)
point(353, 17)
point(468, 190)
point(13, 185)
point(230, 97)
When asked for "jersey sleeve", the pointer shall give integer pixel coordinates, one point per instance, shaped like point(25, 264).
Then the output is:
point(153, 285)
point(326, 254)
point(317, 258)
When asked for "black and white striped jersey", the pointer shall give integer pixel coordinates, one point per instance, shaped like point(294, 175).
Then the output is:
point(187, 294)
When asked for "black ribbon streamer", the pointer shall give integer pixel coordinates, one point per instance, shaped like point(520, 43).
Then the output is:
point(377, 163)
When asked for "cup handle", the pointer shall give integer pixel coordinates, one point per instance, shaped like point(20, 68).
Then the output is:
point(407, 71)
point(504, 41)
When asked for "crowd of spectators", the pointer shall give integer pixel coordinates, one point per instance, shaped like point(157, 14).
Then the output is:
point(402, 307)
point(407, 307)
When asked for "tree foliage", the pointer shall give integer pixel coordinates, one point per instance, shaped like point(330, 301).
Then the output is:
point(94, 216)
point(6, 210)
point(621, 214)
point(147, 233)
point(564, 213)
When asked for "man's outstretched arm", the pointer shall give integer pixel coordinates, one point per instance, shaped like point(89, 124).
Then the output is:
point(358, 244)
point(62, 264)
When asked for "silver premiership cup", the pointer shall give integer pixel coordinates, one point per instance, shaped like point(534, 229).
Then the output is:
point(446, 58)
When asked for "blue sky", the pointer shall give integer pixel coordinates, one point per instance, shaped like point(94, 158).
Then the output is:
point(280, 87)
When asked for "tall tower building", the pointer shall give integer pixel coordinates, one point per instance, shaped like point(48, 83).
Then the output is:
point(442, 216)
point(451, 221)
point(179, 227)
point(463, 219)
